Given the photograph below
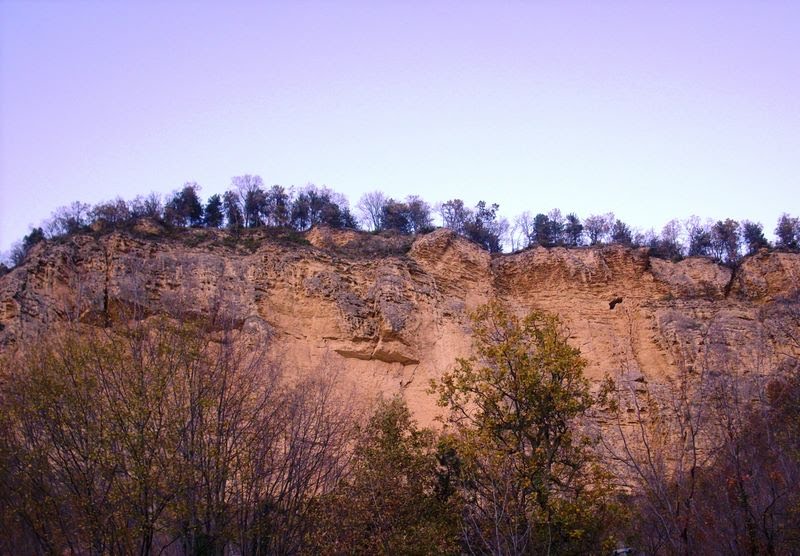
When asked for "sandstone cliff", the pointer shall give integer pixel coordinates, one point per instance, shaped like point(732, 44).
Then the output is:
point(391, 313)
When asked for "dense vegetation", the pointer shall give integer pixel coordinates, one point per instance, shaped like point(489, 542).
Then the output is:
point(249, 204)
point(179, 435)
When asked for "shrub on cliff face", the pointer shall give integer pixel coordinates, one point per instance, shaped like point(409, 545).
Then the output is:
point(20, 251)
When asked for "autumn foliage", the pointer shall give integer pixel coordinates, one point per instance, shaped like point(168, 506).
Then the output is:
point(172, 435)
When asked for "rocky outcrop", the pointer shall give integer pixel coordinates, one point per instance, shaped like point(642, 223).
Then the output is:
point(389, 314)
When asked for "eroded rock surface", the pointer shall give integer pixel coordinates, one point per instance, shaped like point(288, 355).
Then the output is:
point(389, 314)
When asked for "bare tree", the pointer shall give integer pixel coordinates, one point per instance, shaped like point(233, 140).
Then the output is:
point(521, 231)
point(161, 433)
point(708, 458)
point(370, 209)
point(597, 227)
point(455, 215)
point(68, 219)
point(657, 441)
point(251, 197)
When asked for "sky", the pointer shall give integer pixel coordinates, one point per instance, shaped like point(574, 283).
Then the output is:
point(652, 110)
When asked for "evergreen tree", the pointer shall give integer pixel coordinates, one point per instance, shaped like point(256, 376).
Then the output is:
point(184, 209)
point(254, 206)
point(213, 217)
point(621, 234)
point(699, 237)
point(573, 230)
point(233, 212)
point(395, 216)
point(753, 236)
point(543, 232)
point(418, 215)
point(278, 207)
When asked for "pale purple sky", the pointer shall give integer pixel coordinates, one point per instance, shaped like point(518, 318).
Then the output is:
point(653, 110)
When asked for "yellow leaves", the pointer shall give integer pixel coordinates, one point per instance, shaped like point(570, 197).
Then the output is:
point(101, 424)
point(513, 407)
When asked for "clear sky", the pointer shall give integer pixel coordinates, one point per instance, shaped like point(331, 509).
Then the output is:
point(653, 110)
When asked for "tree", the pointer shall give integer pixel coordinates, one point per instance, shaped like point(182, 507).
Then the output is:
point(192, 205)
point(546, 232)
point(557, 226)
point(233, 211)
point(668, 245)
point(646, 238)
point(254, 206)
point(725, 241)
point(621, 234)
point(394, 216)
point(749, 491)
point(788, 232)
point(20, 251)
point(597, 227)
point(319, 205)
point(395, 500)
point(573, 230)
point(159, 433)
point(68, 219)
point(250, 191)
point(91, 439)
point(112, 213)
point(753, 236)
point(147, 207)
point(213, 216)
point(370, 209)
point(278, 207)
point(455, 215)
point(483, 227)
point(346, 218)
point(660, 455)
point(418, 214)
point(410, 217)
point(533, 484)
point(184, 209)
point(708, 455)
point(521, 231)
point(699, 236)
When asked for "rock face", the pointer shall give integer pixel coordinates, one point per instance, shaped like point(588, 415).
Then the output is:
point(389, 314)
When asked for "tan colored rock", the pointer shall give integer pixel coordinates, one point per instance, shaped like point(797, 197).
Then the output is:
point(391, 315)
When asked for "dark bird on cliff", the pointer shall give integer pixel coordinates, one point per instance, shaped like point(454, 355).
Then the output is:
point(613, 302)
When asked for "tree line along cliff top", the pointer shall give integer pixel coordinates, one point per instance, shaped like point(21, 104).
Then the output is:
point(248, 204)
